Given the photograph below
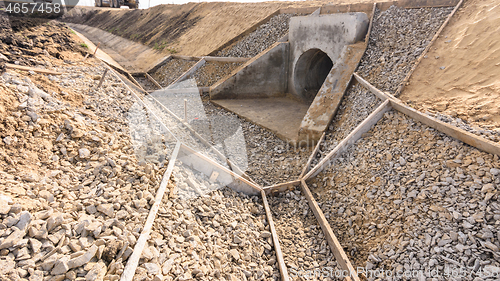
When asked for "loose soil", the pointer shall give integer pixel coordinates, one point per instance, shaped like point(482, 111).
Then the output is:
point(459, 76)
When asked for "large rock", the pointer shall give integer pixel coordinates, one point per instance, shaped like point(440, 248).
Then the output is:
point(97, 272)
point(83, 259)
point(106, 209)
point(61, 266)
point(12, 239)
point(6, 266)
point(54, 221)
point(24, 220)
point(4, 205)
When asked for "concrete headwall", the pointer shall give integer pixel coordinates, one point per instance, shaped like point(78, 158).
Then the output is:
point(328, 33)
point(263, 76)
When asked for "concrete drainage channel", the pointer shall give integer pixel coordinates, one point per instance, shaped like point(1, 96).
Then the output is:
point(373, 224)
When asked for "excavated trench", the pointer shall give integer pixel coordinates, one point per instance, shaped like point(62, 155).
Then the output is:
point(403, 197)
point(302, 240)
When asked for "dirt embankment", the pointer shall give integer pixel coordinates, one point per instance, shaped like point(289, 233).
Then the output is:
point(190, 29)
point(459, 76)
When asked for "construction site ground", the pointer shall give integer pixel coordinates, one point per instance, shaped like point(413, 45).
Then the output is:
point(80, 166)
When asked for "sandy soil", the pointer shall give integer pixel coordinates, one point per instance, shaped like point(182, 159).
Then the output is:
point(459, 77)
point(190, 29)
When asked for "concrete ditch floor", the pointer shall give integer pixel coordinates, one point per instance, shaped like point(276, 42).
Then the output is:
point(281, 115)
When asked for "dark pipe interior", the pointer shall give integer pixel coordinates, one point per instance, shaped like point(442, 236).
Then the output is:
point(311, 70)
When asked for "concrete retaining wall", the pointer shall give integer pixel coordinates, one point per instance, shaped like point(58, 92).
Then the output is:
point(263, 76)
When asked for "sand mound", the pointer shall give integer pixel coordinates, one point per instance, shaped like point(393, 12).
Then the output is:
point(459, 76)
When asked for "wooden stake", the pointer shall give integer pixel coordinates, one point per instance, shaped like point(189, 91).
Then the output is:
point(332, 240)
point(424, 53)
point(129, 271)
point(276, 241)
point(27, 68)
point(364, 127)
point(102, 78)
point(313, 155)
point(97, 47)
point(185, 110)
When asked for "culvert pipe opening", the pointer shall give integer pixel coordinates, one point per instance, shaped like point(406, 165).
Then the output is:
point(311, 70)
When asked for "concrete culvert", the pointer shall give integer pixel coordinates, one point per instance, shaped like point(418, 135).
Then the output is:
point(311, 70)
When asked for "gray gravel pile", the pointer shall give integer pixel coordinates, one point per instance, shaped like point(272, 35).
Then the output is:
point(356, 105)
point(213, 71)
point(397, 39)
point(261, 39)
point(304, 246)
point(270, 159)
point(492, 135)
point(222, 235)
point(171, 70)
point(406, 197)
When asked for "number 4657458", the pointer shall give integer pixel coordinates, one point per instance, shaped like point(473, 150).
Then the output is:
point(32, 8)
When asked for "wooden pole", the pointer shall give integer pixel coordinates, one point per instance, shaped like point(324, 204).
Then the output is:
point(129, 271)
point(276, 241)
point(102, 78)
point(97, 47)
point(27, 68)
point(185, 110)
point(332, 240)
point(313, 155)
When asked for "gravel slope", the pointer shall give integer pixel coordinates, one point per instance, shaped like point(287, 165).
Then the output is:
point(304, 247)
point(397, 39)
point(213, 71)
point(254, 43)
point(171, 70)
point(406, 197)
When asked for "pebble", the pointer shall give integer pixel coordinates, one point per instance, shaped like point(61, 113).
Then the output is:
point(84, 153)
